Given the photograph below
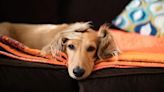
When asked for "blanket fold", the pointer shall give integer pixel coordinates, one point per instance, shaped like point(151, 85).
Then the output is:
point(137, 51)
point(17, 50)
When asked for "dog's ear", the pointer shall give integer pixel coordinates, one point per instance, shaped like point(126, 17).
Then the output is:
point(107, 46)
point(56, 45)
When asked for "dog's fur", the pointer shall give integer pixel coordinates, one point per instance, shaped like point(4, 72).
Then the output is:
point(82, 44)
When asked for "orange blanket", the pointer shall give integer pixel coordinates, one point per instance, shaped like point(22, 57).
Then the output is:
point(137, 51)
point(14, 49)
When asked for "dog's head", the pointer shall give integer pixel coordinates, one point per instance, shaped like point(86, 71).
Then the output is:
point(84, 47)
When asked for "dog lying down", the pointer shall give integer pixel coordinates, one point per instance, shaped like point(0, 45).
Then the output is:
point(83, 45)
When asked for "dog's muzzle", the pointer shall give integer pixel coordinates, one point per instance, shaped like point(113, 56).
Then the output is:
point(78, 72)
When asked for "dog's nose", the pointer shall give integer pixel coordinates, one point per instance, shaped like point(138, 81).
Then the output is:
point(78, 72)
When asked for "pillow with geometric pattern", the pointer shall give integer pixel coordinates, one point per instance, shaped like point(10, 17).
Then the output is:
point(145, 17)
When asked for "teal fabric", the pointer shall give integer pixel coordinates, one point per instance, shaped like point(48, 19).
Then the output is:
point(145, 17)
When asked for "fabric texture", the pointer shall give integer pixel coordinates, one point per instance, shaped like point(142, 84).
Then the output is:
point(136, 51)
point(145, 17)
point(14, 49)
point(127, 82)
point(19, 76)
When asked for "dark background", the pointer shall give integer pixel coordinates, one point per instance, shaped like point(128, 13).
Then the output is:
point(60, 11)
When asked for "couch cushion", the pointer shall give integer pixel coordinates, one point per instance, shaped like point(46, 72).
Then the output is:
point(21, 76)
point(124, 80)
point(142, 16)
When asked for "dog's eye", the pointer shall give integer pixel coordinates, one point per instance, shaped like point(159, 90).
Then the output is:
point(71, 46)
point(91, 48)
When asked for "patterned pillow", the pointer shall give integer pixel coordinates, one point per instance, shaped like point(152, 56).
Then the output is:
point(142, 16)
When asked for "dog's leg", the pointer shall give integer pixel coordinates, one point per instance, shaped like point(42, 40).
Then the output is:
point(5, 28)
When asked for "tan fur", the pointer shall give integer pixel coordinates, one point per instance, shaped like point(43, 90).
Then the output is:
point(49, 38)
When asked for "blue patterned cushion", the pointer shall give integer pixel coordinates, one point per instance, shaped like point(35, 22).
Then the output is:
point(142, 16)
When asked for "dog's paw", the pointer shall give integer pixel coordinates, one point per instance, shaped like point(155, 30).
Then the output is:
point(45, 51)
point(115, 53)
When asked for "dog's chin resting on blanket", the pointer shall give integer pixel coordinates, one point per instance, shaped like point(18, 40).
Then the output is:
point(82, 45)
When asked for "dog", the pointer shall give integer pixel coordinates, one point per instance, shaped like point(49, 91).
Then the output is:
point(83, 45)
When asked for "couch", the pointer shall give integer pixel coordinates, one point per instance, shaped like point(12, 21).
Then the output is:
point(17, 75)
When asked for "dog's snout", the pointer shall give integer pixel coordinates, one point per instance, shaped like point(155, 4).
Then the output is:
point(78, 72)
